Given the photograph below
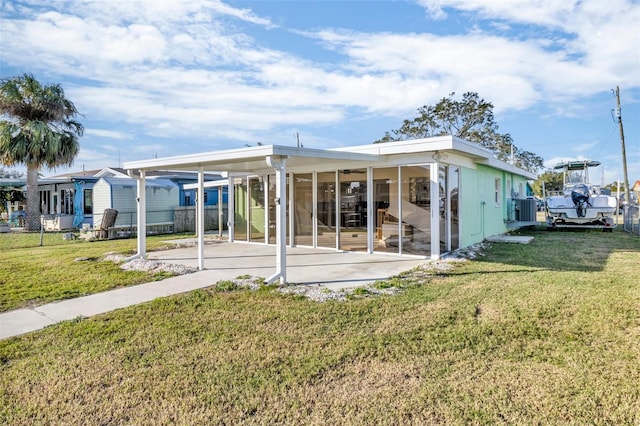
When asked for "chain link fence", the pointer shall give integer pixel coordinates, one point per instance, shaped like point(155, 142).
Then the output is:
point(631, 217)
point(178, 220)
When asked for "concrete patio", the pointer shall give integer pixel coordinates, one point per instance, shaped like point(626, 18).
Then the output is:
point(329, 268)
point(224, 261)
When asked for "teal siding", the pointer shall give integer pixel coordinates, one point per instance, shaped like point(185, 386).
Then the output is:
point(480, 215)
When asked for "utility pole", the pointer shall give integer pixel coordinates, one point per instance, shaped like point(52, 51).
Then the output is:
point(624, 154)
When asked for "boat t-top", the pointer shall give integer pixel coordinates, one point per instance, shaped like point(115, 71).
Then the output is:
point(580, 204)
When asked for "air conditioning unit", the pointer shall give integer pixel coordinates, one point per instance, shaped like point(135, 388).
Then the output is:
point(526, 210)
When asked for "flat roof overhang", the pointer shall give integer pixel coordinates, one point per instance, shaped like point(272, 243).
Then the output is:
point(250, 159)
point(440, 144)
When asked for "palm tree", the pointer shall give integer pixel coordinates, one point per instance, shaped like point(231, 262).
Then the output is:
point(38, 130)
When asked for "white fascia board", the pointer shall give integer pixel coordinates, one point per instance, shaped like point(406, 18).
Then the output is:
point(401, 147)
point(193, 161)
point(502, 165)
point(473, 151)
point(226, 158)
point(328, 154)
point(486, 156)
point(209, 184)
point(440, 143)
point(471, 148)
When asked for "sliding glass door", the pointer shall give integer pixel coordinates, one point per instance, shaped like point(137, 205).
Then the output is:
point(256, 209)
point(416, 210)
point(240, 209)
point(387, 212)
point(303, 209)
point(449, 183)
point(454, 200)
point(326, 209)
point(353, 209)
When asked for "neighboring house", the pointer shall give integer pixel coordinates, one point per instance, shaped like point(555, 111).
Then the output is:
point(120, 194)
point(68, 200)
point(419, 197)
point(634, 193)
point(12, 211)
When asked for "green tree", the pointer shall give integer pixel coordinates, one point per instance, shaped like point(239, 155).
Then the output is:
point(613, 187)
point(553, 181)
point(38, 129)
point(471, 119)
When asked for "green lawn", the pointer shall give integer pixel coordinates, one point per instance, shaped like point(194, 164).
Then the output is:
point(545, 333)
point(31, 274)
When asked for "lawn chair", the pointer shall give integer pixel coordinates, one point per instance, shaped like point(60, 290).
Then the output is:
point(102, 230)
point(108, 220)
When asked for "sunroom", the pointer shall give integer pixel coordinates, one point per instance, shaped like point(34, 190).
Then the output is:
point(403, 198)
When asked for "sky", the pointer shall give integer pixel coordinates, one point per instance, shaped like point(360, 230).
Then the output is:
point(157, 78)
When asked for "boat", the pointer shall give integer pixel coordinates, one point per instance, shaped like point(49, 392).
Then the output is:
point(580, 204)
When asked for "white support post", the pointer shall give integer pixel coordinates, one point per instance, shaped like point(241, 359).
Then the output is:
point(200, 218)
point(448, 210)
point(370, 212)
point(59, 201)
point(314, 209)
point(338, 209)
point(265, 191)
point(142, 214)
point(279, 164)
point(435, 212)
point(220, 212)
point(231, 209)
point(292, 208)
point(247, 203)
point(400, 212)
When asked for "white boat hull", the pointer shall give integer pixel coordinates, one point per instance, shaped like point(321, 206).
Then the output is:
point(580, 204)
point(598, 212)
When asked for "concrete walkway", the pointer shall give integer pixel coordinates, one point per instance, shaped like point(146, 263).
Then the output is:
point(223, 261)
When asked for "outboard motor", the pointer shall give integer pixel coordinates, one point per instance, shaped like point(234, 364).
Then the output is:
point(580, 198)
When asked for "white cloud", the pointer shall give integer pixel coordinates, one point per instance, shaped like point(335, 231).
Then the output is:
point(434, 10)
point(528, 11)
point(584, 146)
point(598, 33)
point(187, 67)
point(87, 159)
point(106, 41)
point(592, 52)
point(151, 11)
point(110, 134)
